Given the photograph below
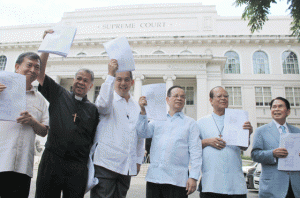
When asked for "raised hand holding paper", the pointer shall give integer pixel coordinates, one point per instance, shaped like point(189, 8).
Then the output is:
point(13, 98)
point(119, 49)
point(59, 42)
point(156, 101)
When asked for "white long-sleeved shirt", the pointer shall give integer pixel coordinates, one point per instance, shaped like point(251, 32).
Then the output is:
point(119, 149)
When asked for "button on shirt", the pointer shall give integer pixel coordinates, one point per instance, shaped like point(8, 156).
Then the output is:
point(118, 147)
point(175, 145)
point(222, 169)
point(17, 140)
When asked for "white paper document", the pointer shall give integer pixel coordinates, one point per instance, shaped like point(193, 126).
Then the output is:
point(59, 42)
point(290, 141)
point(13, 98)
point(156, 108)
point(233, 132)
point(119, 49)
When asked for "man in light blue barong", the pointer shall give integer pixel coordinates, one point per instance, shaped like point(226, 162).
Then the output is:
point(222, 175)
point(175, 145)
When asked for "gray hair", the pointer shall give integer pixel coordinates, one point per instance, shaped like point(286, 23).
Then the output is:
point(87, 71)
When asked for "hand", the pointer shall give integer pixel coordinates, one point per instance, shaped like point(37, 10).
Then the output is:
point(50, 31)
point(112, 67)
point(191, 185)
point(280, 153)
point(26, 118)
point(138, 168)
point(217, 143)
point(143, 103)
point(247, 125)
point(2, 87)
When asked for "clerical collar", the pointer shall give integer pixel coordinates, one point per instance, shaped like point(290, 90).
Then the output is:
point(78, 98)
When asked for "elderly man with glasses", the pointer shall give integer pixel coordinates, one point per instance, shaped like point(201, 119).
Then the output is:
point(222, 174)
point(175, 145)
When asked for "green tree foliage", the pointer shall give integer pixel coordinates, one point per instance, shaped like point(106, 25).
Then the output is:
point(257, 11)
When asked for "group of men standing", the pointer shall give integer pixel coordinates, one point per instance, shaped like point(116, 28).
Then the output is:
point(117, 126)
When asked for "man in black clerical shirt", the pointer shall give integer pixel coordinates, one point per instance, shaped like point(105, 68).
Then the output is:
point(73, 122)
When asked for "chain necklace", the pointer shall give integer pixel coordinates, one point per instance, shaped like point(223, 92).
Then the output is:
point(220, 132)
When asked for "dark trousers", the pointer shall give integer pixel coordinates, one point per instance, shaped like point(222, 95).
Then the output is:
point(290, 193)
point(216, 195)
point(154, 190)
point(13, 184)
point(111, 184)
point(57, 175)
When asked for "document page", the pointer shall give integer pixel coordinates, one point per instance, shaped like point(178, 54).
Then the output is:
point(156, 108)
point(59, 42)
point(13, 98)
point(290, 141)
point(233, 132)
point(119, 49)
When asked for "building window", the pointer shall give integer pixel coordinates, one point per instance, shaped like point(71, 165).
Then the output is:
point(81, 54)
point(189, 92)
point(71, 88)
point(134, 52)
point(295, 124)
point(263, 96)
point(3, 60)
point(260, 63)
point(290, 63)
point(232, 65)
point(260, 124)
point(293, 95)
point(158, 52)
point(96, 93)
point(104, 54)
point(235, 95)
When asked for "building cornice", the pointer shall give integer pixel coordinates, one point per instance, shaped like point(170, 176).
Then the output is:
point(172, 40)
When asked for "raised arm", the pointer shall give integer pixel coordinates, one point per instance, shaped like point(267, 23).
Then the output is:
point(44, 59)
point(105, 98)
point(144, 129)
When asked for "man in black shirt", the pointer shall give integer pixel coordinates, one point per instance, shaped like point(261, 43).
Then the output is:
point(73, 122)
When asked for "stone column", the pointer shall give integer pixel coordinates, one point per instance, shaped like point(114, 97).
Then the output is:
point(56, 79)
point(138, 82)
point(169, 79)
point(202, 96)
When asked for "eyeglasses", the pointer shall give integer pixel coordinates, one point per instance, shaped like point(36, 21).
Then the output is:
point(220, 96)
point(179, 96)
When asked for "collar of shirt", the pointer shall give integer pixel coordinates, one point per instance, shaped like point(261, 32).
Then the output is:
point(278, 127)
point(31, 91)
point(117, 97)
point(79, 98)
point(217, 116)
point(180, 114)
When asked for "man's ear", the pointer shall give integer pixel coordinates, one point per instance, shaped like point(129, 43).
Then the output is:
point(17, 67)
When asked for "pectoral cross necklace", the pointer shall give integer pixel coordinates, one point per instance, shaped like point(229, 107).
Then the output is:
point(220, 132)
point(75, 116)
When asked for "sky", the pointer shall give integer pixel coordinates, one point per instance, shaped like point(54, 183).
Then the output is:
point(17, 12)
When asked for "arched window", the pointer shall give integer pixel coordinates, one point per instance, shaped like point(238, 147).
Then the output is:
point(81, 54)
point(3, 60)
point(158, 52)
point(232, 65)
point(185, 52)
point(260, 63)
point(290, 63)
